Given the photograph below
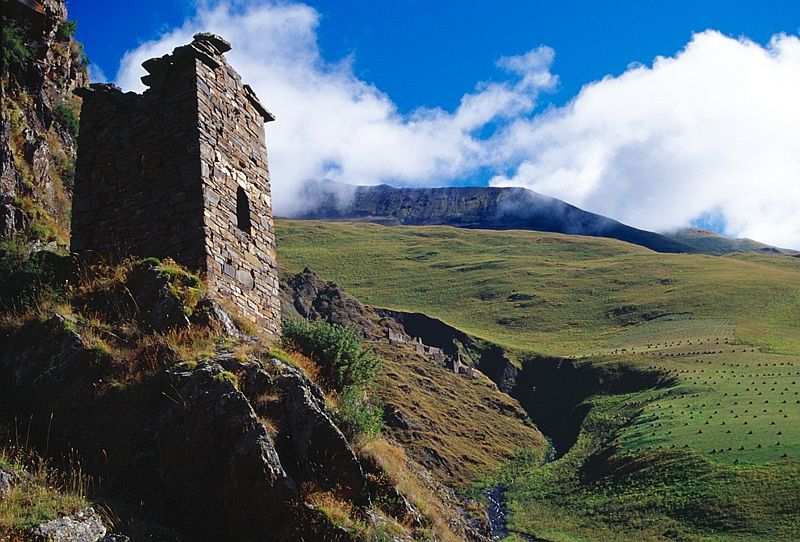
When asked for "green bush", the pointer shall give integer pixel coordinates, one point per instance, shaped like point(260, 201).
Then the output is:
point(14, 52)
point(347, 367)
point(27, 278)
point(358, 415)
point(345, 363)
point(65, 166)
point(67, 118)
point(66, 30)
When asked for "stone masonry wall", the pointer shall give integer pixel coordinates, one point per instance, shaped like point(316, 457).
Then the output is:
point(241, 265)
point(137, 184)
point(181, 171)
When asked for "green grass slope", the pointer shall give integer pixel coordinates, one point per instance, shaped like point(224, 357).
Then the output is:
point(550, 293)
point(712, 456)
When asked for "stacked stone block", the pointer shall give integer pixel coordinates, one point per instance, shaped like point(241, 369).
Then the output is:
point(181, 171)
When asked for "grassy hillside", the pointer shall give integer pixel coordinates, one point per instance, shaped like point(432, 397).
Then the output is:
point(549, 293)
point(712, 455)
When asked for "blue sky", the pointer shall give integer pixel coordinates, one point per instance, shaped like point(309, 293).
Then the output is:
point(427, 53)
point(659, 114)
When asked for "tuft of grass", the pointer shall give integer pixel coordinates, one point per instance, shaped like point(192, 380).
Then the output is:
point(66, 30)
point(308, 366)
point(229, 377)
point(344, 515)
point(185, 285)
point(68, 118)
point(192, 345)
point(14, 51)
point(41, 493)
point(339, 512)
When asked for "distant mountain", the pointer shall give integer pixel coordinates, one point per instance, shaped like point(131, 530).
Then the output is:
point(712, 243)
point(480, 207)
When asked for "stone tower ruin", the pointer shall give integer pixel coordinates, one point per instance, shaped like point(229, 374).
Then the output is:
point(180, 171)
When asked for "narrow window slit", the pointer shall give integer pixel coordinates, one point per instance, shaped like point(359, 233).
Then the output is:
point(242, 210)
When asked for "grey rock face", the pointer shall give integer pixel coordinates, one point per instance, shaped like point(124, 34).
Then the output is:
point(6, 483)
point(318, 446)
point(85, 526)
point(12, 220)
point(159, 307)
point(218, 462)
point(211, 314)
point(311, 446)
point(36, 149)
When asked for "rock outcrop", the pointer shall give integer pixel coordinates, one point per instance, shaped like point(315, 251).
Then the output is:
point(220, 450)
point(217, 461)
point(318, 449)
point(85, 526)
point(7, 480)
point(38, 120)
point(310, 297)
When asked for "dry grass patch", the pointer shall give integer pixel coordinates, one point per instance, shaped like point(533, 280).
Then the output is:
point(40, 493)
point(402, 473)
point(247, 326)
point(191, 345)
point(297, 359)
point(459, 428)
point(344, 515)
point(339, 512)
point(41, 310)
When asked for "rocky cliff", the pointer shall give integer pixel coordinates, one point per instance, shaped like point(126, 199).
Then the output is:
point(41, 65)
point(190, 428)
point(480, 207)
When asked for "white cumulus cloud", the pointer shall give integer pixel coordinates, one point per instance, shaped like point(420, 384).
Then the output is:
point(96, 74)
point(711, 130)
point(330, 124)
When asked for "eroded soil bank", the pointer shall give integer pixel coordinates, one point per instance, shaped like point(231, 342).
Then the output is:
point(552, 390)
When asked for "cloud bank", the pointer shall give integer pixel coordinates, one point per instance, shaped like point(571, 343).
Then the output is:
point(330, 125)
point(711, 130)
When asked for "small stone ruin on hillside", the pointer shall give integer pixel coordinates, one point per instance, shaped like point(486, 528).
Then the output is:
point(180, 171)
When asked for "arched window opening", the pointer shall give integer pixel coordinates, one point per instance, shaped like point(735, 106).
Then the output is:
point(242, 210)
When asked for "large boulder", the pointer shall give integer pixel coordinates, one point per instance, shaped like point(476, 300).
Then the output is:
point(319, 449)
point(222, 475)
point(62, 366)
point(85, 526)
point(159, 307)
point(311, 446)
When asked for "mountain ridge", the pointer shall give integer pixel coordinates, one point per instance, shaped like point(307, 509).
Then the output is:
point(709, 242)
point(472, 207)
